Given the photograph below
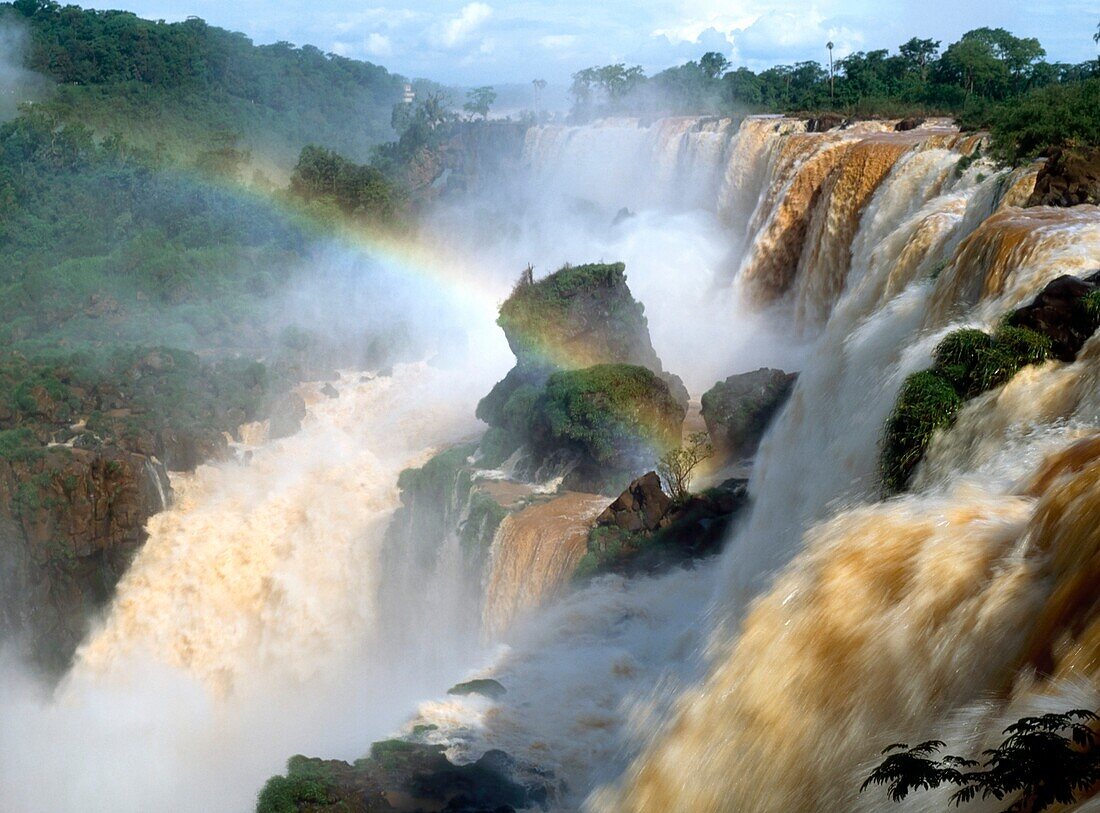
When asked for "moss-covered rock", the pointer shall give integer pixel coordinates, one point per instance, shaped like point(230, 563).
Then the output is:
point(402, 775)
point(577, 317)
point(487, 687)
point(614, 418)
point(967, 363)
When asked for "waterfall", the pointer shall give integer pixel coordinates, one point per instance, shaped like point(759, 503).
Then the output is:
point(534, 553)
point(848, 623)
point(250, 626)
point(269, 613)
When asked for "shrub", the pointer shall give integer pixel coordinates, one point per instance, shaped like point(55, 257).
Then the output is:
point(609, 410)
point(17, 443)
point(927, 401)
point(1023, 345)
point(968, 360)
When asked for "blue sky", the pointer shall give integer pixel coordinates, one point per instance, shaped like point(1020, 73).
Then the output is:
point(486, 41)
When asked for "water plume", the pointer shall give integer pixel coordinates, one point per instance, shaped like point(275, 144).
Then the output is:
point(18, 85)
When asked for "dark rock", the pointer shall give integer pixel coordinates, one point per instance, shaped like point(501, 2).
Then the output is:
point(185, 449)
point(825, 122)
point(330, 391)
point(910, 123)
point(487, 687)
point(1069, 177)
point(694, 529)
point(1059, 313)
point(737, 411)
point(644, 506)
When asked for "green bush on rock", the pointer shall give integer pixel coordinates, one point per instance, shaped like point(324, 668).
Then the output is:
point(306, 782)
point(609, 411)
point(927, 402)
point(967, 363)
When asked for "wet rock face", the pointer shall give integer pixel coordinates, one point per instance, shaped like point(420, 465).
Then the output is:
point(72, 522)
point(644, 506)
point(1069, 177)
point(644, 531)
point(737, 411)
point(910, 123)
point(1062, 312)
point(827, 121)
point(578, 317)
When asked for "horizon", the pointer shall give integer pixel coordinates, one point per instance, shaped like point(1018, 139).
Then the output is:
point(490, 43)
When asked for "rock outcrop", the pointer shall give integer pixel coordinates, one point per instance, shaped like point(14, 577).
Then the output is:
point(71, 522)
point(644, 531)
point(643, 506)
point(85, 442)
point(1069, 177)
point(737, 411)
point(1062, 313)
point(573, 333)
point(825, 122)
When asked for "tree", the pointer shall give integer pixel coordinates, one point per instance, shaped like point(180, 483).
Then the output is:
point(972, 62)
point(677, 466)
point(714, 65)
point(479, 100)
point(1042, 762)
point(919, 54)
point(223, 158)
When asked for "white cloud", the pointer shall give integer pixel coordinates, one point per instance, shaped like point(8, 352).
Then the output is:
point(460, 28)
point(378, 44)
point(557, 42)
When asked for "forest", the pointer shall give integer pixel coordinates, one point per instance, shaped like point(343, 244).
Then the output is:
point(990, 78)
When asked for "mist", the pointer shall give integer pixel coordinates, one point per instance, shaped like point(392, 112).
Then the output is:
point(17, 84)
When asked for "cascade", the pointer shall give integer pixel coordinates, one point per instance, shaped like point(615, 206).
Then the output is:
point(833, 624)
point(945, 610)
point(534, 553)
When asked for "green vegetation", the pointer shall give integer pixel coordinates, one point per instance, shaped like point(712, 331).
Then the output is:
point(307, 781)
point(436, 479)
point(1043, 761)
point(179, 87)
point(479, 100)
point(360, 192)
point(483, 517)
point(989, 79)
point(967, 363)
point(926, 402)
point(608, 411)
